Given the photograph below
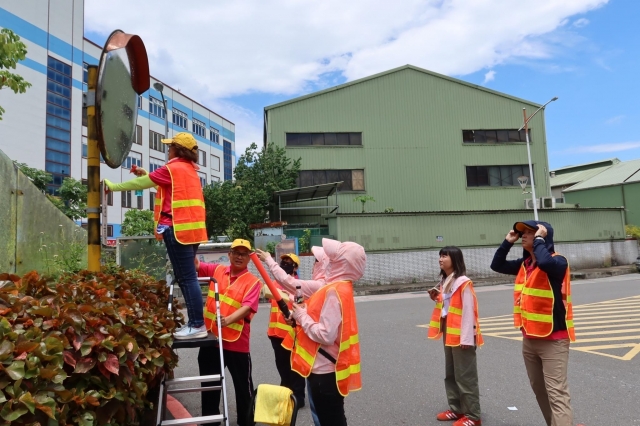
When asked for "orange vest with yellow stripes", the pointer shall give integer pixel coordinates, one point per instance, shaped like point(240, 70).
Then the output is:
point(305, 350)
point(278, 327)
point(231, 297)
point(533, 302)
point(187, 204)
point(454, 318)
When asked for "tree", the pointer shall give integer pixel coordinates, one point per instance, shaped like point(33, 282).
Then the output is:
point(137, 223)
point(12, 51)
point(40, 178)
point(233, 205)
point(71, 198)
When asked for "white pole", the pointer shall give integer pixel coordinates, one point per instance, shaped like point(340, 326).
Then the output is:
point(533, 185)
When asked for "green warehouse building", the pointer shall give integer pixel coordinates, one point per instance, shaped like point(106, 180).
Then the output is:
point(440, 157)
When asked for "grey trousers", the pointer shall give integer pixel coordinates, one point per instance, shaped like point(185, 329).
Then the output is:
point(461, 381)
point(546, 362)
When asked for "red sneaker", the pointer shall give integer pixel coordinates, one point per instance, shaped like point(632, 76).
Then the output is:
point(448, 416)
point(465, 421)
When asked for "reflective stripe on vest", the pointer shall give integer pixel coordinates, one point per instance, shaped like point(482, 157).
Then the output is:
point(278, 327)
point(187, 204)
point(535, 303)
point(231, 296)
point(454, 318)
point(304, 350)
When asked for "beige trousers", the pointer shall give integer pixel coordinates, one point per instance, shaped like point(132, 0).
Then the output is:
point(546, 362)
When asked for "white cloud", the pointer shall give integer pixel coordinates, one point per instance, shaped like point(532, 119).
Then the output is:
point(489, 76)
point(580, 23)
point(615, 120)
point(605, 147)
point(219, 49)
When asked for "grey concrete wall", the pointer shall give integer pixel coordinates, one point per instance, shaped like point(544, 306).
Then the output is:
point(32, 229)
point(422, 266)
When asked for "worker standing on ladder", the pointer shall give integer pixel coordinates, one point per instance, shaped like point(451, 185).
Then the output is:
point(239, 295)
point(179, 217)
point(326, 347)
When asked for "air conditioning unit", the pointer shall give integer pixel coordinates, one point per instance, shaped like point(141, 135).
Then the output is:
point(528, 203)
point(548, 203)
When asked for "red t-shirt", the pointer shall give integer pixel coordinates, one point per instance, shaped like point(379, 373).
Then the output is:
point(556, 335)
point(251, 300)
point(162, 178)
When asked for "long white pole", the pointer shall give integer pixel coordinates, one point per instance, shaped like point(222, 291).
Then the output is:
point(533, 185)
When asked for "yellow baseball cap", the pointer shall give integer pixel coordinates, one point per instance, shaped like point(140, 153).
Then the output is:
point(184, 139)
point(293, 257)
point(241, 243)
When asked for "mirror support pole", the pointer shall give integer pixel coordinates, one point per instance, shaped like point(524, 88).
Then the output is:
point(93, 176)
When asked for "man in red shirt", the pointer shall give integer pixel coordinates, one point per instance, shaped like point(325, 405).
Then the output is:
point(237, 283)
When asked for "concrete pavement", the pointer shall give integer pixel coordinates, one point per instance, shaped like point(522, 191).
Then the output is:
point(403, 371)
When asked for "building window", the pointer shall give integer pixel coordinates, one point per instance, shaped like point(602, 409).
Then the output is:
point(495, 175)
point(199, 128)
point(152, 200)
point(156, 107)
point(180, 118)
point(134, 159)
point(126, 199)
point(352, 180)
point(202, 158)
point(203, 179)
point(494, 136)
point(109, 230)
point(226, 154)
point(58, 122)
point(215, 163)
point(140, 202)
point(155, 141)
point(155, 164)
point(215, 179)
point(85, 76)
point(323, 139)
point(137, 137)
point(85, 182)
point(214, 135)
point(139, 101)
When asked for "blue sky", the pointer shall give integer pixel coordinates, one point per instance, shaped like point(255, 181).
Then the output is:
point(238, 57)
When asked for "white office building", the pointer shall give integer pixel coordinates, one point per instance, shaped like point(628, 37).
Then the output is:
point(44, 127)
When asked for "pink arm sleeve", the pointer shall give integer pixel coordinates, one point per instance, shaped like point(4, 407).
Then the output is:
point(289, 283)
point(326, 330)
point(467, 332)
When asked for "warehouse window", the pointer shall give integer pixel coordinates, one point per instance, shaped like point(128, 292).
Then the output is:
point(323, 139)
point(494, 136)
point(352, 180)
point(495, 175)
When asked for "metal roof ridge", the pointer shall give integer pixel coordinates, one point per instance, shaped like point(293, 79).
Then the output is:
point(589, 164)
point(392, 71)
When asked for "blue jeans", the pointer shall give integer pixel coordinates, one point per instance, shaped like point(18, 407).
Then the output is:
point(312, 406)
point(182, 258)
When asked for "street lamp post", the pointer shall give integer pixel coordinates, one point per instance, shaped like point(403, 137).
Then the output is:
point(159, 87)
point(525, 126)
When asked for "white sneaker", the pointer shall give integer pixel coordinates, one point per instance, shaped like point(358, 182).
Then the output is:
point(190, 333)
point(182, 327)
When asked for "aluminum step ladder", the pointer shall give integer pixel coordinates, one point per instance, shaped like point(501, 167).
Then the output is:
point(167, 386)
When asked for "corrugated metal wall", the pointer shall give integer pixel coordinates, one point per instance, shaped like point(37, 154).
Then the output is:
point(467, 229)
point(412, 152)
point(627, 195)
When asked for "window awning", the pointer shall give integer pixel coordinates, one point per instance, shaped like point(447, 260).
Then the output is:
point(307, 193)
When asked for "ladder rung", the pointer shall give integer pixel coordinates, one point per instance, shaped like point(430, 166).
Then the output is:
point(200, 389)
point(196, 420)
point(215, 377)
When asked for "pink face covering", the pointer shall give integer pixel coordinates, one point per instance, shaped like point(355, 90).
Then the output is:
point(347, 261)
point(319, 267)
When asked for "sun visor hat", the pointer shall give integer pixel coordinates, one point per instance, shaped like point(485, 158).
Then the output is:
point(523, 226)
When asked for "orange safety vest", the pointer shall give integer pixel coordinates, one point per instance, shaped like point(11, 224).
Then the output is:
point(278, 327)
point(533, 302)
point(187, 204)
point(454, 318)
point(231, 297)
point(305, 350)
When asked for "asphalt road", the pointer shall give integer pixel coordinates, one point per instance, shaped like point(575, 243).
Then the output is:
point(403, 371)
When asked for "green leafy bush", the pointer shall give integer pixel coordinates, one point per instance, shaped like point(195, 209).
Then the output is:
point(82, 349)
